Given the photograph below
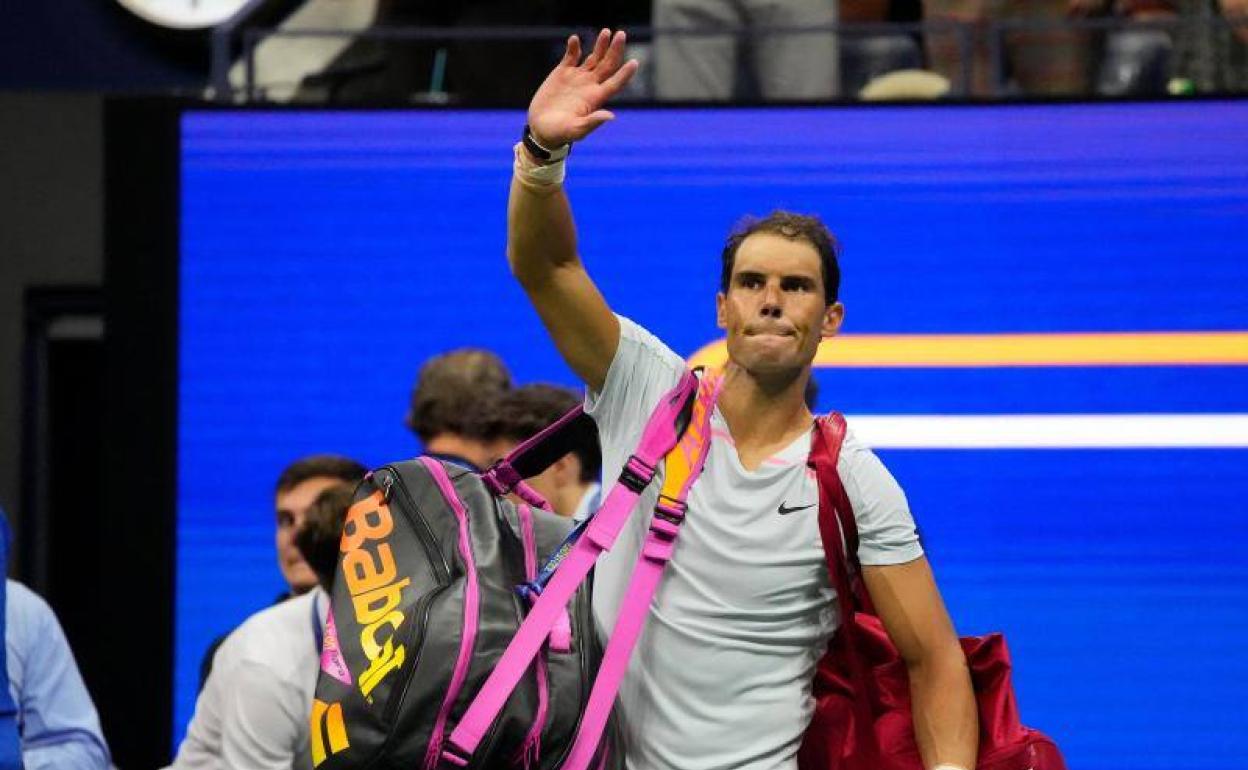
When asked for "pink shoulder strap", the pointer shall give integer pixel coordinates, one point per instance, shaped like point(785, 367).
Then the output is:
point(660, 436)
point(682, 468)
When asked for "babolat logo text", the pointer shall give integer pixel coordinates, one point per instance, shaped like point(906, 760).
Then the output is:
point(370, 573)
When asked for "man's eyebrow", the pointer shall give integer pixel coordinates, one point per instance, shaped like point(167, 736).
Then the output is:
point(744, 274)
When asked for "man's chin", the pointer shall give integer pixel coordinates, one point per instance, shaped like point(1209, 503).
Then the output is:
point(770, 366)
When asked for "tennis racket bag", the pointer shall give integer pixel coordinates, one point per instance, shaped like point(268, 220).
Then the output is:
point(452, 640)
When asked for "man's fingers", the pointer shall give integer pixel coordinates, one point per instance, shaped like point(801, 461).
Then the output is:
point(593, 120)
point(571, 54)
point(600, 49)
point(621, 77)
point(611, 60)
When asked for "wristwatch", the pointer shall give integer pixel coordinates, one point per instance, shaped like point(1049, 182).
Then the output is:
point(542, 153)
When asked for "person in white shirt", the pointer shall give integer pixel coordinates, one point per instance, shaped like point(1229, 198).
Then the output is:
point(253, 712)
point(721, 677)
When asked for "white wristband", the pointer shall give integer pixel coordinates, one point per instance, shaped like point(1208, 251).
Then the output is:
point(536, 176)
point(947, 766)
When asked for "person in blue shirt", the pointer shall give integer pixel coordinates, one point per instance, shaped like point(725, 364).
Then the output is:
point(58, 726)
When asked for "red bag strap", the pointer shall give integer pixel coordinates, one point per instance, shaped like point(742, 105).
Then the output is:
point(836, 516)
point(836, 520)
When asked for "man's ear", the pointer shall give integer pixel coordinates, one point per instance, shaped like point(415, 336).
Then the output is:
point(720, 301)
point(833, 317)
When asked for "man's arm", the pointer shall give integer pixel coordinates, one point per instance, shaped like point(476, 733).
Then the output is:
point(541, 234)
point(946, 724)
point(61, 730)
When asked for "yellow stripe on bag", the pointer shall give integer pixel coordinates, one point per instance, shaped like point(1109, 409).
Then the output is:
point(318, 743)
point(336, 728)
point(989, 350)
point(329, 715)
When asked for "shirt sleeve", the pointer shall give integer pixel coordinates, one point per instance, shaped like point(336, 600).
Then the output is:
point(886, 530)
point(641, 372)
point(60, 727)
point(262, 724)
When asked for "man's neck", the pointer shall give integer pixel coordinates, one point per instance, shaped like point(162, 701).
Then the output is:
point(451, 444)
point(570, 498)
point(764, 417)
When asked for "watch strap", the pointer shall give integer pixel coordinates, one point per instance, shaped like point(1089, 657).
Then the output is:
point(544, 154)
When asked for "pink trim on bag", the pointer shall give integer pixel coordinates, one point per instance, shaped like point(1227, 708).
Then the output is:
point(531, 749)
point(433, 755)
point(531, 496)
point(332, 661)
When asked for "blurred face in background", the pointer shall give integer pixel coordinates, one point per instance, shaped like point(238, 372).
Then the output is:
point(292, 504)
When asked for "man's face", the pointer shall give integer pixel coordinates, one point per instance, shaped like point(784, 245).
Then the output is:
point(292, 504)
point(774, 310)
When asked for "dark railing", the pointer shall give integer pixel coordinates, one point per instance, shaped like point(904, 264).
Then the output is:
point(237, 40)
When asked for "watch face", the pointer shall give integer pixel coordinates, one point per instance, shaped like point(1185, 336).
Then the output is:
point(185, 14)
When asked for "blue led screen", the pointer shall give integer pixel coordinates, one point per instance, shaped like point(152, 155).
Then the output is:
point(325, 255)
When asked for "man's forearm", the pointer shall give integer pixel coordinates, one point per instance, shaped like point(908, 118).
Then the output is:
point(946, 723)
point(541, 234)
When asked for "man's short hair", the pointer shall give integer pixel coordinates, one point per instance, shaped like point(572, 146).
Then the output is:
point(450, 389)
point(319, 536)
point(520, 414)
point(795, 227)
point(320, 466)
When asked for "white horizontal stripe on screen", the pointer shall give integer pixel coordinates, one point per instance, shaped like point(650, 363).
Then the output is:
point(1050, 431)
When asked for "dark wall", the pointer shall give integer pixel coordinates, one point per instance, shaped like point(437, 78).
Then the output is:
point(104, 530)
point(51, 231)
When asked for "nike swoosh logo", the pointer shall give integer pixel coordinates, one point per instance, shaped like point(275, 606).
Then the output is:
point(783, 510)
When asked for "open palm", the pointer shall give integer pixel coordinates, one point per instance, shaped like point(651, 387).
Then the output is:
point(569, 104)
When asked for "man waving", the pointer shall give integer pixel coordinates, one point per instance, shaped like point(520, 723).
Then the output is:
point(721, 677)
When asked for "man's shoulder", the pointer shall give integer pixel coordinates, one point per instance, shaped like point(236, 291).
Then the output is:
point(24, 599)
point(268, 637)
point(643, 338)
point(861, 470)
point(26, 612)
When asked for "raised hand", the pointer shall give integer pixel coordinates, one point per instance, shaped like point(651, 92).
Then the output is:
point(569, 104)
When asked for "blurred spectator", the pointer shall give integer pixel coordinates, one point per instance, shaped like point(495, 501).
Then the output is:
point(866, 58)
point(1237, 12)
point(47, 719)
point(571, 484)
point(253, 710)
point(55, 717)
point(319, 537)
point(1135, 60)
point(449, 392)
point(701, 45)
point(1051, 59)
point(297, 486)
point(394, 69)
point(1211, 47)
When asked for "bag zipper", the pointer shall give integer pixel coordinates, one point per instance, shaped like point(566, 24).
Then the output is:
point(442, 575)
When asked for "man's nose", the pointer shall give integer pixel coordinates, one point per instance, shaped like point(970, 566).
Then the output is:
point(771, 301)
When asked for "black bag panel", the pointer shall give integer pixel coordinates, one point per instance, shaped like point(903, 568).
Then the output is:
point(366, 620)
point(392, 727)
point(416, 710)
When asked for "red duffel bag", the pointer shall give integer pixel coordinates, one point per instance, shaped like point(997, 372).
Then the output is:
point(862, 715)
